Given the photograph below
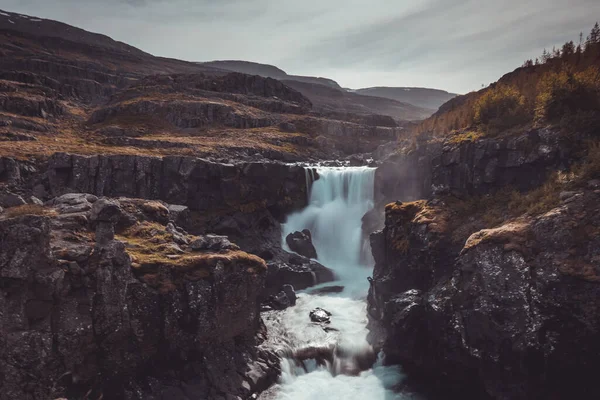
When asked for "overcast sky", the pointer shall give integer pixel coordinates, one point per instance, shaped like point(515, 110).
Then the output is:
point(456, 45)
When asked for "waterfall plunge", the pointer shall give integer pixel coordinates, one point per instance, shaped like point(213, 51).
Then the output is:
point(338, 200)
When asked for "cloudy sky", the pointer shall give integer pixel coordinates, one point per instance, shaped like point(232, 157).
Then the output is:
point(456, 45)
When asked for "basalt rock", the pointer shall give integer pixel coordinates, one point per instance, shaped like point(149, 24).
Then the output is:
point(483, 166)
point(198, 184)
point(300, 276)
point(8, 199)
point(320, 315)
point(301, 243)
point(510, 314)
point(122, 319)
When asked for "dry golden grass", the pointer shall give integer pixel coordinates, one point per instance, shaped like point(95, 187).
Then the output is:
point(514, 235)
point(465, 136)
point(73, 137)
point(162, 266)
point(28, 209)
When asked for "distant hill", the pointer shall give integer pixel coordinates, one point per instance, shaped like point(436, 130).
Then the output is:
point(267, 71)
point(421, 97)
point(329, 100)
point(560, 88)
point(328, 96)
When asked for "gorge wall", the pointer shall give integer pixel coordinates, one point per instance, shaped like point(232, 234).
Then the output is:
point(155, 314)
point(505, 312)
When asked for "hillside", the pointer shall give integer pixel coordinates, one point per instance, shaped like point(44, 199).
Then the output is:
point(330, 100)
point(329, 97)
point(267, 71)
point(560, 88)
point(421, 97)
point(65, 89)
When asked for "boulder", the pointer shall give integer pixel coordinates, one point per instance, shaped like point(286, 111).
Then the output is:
point(179, 236)
point(301, 243)
point(290, 293)
point(36, 201)
point(105, 210)
point(11, 200)
point(320, 315)
point(299, 276)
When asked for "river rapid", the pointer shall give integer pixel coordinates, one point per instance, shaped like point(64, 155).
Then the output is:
point(333, 361)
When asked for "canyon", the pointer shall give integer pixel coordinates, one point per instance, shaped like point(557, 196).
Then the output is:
point(183, 231)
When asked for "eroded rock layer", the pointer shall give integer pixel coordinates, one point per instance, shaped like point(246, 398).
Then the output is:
point(510, 313)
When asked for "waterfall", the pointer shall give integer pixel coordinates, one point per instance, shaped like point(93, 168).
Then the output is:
point(332, 361)
point(338, 199)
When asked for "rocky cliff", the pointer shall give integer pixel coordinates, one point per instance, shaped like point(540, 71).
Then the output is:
point(521, 161)
point(503, 313)
point(107, 298)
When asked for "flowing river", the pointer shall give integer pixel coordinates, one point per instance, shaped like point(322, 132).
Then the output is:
point(333, 361)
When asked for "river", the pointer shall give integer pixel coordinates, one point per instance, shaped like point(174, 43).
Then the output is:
point(333, 361)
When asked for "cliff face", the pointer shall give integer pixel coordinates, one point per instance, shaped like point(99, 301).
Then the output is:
point(148, 315)
point(473, 167)
point(201, 185)
point(509, 314)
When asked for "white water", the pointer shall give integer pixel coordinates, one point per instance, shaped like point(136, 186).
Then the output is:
point(338, 200)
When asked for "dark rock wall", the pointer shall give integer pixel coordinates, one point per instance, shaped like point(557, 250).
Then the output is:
point(521, 162)
point(75, 322)
point(201, 185)
point(510, 314)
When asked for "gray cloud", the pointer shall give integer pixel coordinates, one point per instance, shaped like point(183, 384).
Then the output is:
point(450, 44)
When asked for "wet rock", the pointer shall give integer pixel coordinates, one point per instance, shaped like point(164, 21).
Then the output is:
point(300, 276)
point(301, 243)
point(356, 160)
point(11, 200)
point(290, 293)
point(327, 290)
point(296, 259)
point(320, 315)
point(280, 301)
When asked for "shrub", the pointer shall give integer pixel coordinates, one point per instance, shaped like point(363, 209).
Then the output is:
point(501, 107)
point(590, 167)
point(571, 99)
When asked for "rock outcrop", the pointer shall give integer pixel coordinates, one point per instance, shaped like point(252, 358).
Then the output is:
point(140, 316)
point(509, 314)
point(199, 184)
point(301, 243)
point(483, 166)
